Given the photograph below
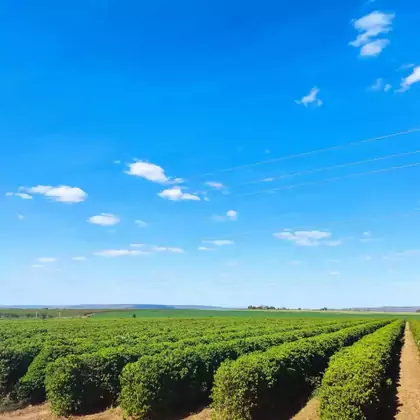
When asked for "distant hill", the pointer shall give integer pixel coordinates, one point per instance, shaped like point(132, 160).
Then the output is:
point(387, 309)
point(112, 306)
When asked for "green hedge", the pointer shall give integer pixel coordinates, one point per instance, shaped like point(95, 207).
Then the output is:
point(355, 380)
point(14, 362)
point(259, 385)
point(99, 372)
point(159, 385)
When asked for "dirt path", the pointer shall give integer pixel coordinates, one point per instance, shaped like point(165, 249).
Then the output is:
point(408, 391)
point(310, 411)
point(42, 412)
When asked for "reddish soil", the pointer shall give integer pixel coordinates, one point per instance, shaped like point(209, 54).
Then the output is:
point(408, 391)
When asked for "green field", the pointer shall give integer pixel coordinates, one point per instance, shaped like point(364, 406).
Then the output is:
point(165, 362)
point(196, 313)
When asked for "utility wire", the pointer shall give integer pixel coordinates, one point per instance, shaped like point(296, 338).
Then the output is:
point(327, 168)
point(314, 151)
point(327, 180)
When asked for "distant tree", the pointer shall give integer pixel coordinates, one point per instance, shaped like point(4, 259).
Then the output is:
point(299, 309)
point(324, 309)
point(134, 315)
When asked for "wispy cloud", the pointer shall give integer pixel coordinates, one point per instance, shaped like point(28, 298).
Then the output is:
point(79, 258)
point(205, 248)
point(334, 273)
point(230, 215)
point(380, 85)
point(215, 185)
point(20, 216)
point(176, 194)
point(219, 242)
point(370, 27)
point(310, 98)
point(307, 238)
point(141, 223)
point(47, 260)
point(104, 219)
point(167, 249)
point(113, 253)
point(62, 193)
point(411, 79)
point(23, 196)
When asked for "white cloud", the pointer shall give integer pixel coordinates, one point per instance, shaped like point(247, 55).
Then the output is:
point(37, 266)
point(117, 162)
point(62, 193)
point(215, 185)
point(47, 260)
point(137, 245)
point(104, 219)
point(20, 216)
point(307, 238)
point(380, 85)
point(219, 242)
point(176, 194)
point(112, 253)
point(310, 98)
point(79, 258)
point(269, 179)
point(167, 249)
point(141, 223)
point(369, 28)
point(231, 215)
point(333, 243)
point(406, 66)
point(414, 77)
point(367, 234)
point(205, 248)
point(148, 171)
point(374, 48)
point(23, 196)
point(334, 273)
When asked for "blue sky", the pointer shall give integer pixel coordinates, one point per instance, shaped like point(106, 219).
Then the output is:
point(156, 152)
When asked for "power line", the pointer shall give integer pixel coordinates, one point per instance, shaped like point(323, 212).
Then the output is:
point(314, 151)
point(326, 168)
point(327, 180)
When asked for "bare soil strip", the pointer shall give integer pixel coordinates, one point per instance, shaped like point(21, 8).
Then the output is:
point(202, 415)
point(42, 412)
point(408, 391)
point(310, 411)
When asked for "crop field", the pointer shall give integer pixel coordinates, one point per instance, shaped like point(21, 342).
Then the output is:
point(224, 368)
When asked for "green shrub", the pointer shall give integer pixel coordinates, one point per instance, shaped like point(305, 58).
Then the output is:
point(156, 386)
point(258, 385)
point(356, 377)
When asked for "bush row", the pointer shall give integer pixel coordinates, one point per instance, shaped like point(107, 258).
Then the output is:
point(357, 376)
point(91, 382)
point(31, 387)
point(156, 386)
point(267, 384)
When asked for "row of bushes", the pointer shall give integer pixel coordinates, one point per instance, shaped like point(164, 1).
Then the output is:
point(356, 380)
point(90, 382)
point(31, 386)
point(156, 386)
point(268, 384)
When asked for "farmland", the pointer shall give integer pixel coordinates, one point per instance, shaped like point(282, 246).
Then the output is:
point(237, 366)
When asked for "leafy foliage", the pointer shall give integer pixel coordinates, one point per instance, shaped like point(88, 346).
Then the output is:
point(354, 381)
